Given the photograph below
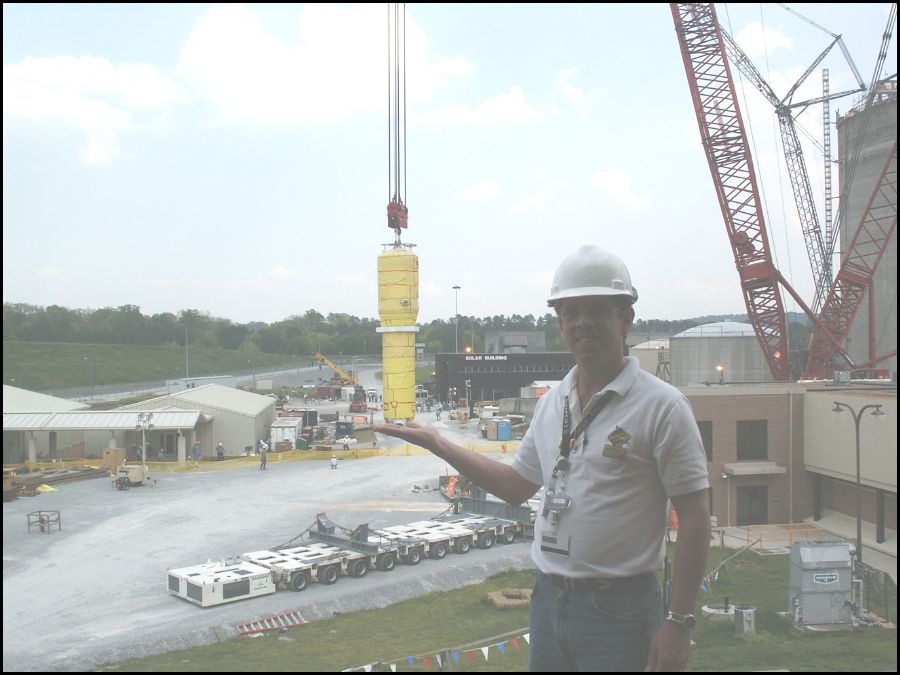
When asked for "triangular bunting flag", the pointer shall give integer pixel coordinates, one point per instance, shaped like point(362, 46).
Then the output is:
point(484, 650)
point(527, 638)
point(455, 657)
point(515, 643)
point(502, 647)
point(470, 656)
point(427, 663)
point(368, 667)
point(703, 587)
point(393, 667)
point(437, 657)
point(409, 660)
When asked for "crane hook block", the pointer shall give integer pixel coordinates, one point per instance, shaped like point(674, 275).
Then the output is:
point(398, 215)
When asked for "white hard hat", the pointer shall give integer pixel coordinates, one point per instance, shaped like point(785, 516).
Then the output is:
point(591, 271)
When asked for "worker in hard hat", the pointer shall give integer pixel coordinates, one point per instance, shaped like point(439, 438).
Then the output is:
point(611, 444)
point(333, 462)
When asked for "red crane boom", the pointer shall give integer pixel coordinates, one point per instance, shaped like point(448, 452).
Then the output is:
point(731, 166)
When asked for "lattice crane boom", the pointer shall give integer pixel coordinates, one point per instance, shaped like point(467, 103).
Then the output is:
point(731, 165)
point(854, 278)
point(793, 155)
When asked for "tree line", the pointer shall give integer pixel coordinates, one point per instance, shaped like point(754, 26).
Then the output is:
point(331, 334)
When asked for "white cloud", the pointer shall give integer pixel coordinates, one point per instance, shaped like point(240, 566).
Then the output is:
point(579, 99)
point(356, 280)
point(754, 40)
point(47, 273)
point(480, 192)
point(508, 107)
point(615, 183)
point(89, 97)
point(334, 69)
point(282, 273)
point(546, 190)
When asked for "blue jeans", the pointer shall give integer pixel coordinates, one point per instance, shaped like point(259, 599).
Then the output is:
point(595, 631)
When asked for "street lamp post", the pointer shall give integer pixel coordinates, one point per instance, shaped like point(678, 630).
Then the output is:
point(857, 418)
point(456, 303)
point(145, 421)
point(91, 364)
point(721, 369)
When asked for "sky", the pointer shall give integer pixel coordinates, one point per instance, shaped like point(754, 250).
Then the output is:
point(234, 158)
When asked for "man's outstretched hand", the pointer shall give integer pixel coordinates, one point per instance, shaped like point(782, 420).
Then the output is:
point(411, 433)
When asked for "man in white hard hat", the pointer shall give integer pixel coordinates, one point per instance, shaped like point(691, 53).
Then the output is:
point(611, 444)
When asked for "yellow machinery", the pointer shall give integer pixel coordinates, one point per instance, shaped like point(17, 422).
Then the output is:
point(398, 307)
point(343, 375)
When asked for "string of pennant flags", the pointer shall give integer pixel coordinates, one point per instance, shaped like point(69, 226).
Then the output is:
point(439, 658)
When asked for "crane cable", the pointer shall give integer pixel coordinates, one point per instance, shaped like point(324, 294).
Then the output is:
point(396, 98)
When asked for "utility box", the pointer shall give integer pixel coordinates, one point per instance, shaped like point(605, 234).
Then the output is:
point(820, 584)
point(744, 619)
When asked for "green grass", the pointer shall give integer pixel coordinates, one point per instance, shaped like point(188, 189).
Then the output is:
point(45, 366)
point(463, 619)
point(48, 366)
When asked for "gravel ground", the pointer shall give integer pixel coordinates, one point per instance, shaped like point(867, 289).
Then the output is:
point(95, 592)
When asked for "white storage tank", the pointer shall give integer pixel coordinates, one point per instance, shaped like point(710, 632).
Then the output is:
point(695, 354)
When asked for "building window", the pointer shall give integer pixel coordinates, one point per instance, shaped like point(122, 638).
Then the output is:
point(752, 440)
point(706, 435)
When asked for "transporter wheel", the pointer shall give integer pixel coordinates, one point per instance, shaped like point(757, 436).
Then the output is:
point(387, 562)
point(328, 575)
point(509, 535)
point(414, 556)
point(439, 550)
point(358, 568)
point(463, 545)
point(299, 581)
point(487, 540)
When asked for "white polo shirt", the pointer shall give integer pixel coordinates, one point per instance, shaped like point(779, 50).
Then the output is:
point(643, 447)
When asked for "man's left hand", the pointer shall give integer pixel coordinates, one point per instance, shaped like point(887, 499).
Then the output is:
point(669, 649)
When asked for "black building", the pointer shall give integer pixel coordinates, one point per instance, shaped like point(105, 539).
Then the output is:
point(489, 377)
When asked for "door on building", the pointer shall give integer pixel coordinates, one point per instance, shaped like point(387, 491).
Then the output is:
point(752, 504)
point(169, 443)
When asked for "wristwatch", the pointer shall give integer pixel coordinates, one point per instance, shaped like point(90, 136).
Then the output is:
point(686, 621)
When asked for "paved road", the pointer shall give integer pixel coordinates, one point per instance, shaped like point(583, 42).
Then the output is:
point(95, 591)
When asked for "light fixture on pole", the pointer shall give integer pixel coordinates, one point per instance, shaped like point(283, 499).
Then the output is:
point(721, 370)
point(857, 418)
point(145, 421)
point(456, 306)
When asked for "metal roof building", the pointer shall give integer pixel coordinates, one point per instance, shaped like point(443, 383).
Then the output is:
point(23, 400)
point(36, 426)
point(235, 418)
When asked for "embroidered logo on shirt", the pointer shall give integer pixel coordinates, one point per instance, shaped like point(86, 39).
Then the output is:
point(618, 446)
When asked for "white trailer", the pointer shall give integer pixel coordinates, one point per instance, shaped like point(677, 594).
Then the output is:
point(438, 538)
point(215, 583)
point(383, 552)
point(294, 567)
point(488, 529)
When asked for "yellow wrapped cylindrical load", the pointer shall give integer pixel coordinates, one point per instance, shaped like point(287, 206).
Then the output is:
point(398, 308)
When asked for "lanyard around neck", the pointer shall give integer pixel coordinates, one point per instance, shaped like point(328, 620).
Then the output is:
point(569, 437)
